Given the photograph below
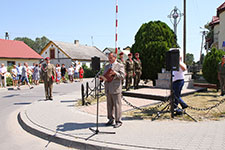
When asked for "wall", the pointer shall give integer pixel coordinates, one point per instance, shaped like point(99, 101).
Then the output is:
point(58, 53)
point(222, 30)
point(29, 61)
point(216, 31)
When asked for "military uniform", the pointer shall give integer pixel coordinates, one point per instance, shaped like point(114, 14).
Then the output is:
point(221, 77)
point(124, 64)
point(137, 71)
point(48, 75)
point(129, 67)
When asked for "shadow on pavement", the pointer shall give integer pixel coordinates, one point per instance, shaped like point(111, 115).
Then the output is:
point(23, 103)
point(77, 126)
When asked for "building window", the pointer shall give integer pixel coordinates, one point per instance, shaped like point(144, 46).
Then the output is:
point(52, 53)
point(11, 63)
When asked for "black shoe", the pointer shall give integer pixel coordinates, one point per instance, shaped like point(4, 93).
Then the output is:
point(51, 98)
point(31, 87)
point(118, 124)
point(109, 123)
point(184, 106)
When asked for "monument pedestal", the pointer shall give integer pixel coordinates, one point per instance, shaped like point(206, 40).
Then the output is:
point(163, 81)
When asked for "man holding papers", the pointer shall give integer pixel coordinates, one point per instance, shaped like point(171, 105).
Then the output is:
point(113, 76)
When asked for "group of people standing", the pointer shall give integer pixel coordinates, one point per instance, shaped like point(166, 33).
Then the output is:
point(133, 69)
point(74, 73)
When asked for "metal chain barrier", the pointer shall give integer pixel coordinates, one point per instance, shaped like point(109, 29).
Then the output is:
point(208, 108)
point(144, 109)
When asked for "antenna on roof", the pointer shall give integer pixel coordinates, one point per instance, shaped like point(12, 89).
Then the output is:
point(92, 41)
point(6, 36)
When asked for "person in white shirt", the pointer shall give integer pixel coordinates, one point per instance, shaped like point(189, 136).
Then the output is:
point(19, 72)
point(178, 83)
point(70, 73)
point(3, 71)
point(24, 76)
point(76, 72)
point(14, 73)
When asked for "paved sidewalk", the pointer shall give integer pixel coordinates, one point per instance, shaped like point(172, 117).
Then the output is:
point(59, 121)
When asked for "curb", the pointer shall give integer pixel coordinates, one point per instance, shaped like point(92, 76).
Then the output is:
point(59, 140)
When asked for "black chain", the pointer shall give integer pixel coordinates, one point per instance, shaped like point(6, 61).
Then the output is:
point(208, 108)
point(144, 109)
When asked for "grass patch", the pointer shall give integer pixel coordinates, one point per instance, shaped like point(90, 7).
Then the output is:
point(198, 100)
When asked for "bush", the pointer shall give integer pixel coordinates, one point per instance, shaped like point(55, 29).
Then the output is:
point(88, 72)
point(210, 65)
point(9, 81)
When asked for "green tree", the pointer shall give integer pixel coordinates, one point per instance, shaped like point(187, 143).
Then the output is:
point(40, 43)
point(210, 65)
point(152, 41)
point(189, 59)
point(27, 41)
point(36, 45)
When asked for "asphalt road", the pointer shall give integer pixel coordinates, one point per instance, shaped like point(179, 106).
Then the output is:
point(12, 136)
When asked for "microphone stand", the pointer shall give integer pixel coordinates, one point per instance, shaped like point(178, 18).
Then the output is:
point(96, 131)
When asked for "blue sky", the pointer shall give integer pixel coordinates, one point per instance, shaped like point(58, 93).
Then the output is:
point(70, 20)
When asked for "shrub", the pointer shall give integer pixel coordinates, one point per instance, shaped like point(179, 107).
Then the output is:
point(210, 65)
point(88, 72)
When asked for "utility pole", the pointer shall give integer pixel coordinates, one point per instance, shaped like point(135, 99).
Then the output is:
point(204, 33)
point(184, 38)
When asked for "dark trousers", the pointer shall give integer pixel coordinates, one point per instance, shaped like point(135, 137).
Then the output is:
point(177, 87)
point(48, 89)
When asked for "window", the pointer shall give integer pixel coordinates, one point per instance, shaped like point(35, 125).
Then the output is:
point(10, 63)
point(52, 53)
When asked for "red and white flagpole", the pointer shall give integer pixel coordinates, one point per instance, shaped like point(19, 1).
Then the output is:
point(116, 34)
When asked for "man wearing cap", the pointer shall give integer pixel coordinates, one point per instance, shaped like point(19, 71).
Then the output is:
point(137, 70)
point(48, 75)
point(129, 69)
point(221, 75)
point(121, 60)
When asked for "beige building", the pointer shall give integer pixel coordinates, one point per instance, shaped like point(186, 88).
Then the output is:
point(218, 26)
point(13, 52)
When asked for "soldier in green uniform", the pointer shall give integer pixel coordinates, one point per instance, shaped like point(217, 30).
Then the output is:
point(48, 75)
point(221, 75)
point(129, 68)
point(121, 60)
point(137, 70)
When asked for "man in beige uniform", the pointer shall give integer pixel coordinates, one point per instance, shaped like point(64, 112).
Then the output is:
point(113, 91)
point(48, 76)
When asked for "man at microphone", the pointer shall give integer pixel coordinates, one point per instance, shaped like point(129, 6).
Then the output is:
point(113, 76)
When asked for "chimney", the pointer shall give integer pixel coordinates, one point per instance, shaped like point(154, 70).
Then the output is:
point(6, 35)
point(76, 42)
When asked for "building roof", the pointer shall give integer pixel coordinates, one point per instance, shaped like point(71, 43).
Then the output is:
point(17, 49)
point(215, 20)
point(80, 52)
point(126, 52)
point(220, 9)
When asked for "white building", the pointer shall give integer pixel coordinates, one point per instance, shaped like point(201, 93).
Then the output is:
point(66, 53)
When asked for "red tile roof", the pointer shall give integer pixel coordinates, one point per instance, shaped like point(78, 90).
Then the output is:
point(215, 20)
point(220, 9)
point(17, 49)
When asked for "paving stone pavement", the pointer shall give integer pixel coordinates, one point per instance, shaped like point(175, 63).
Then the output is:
point(70, 125)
